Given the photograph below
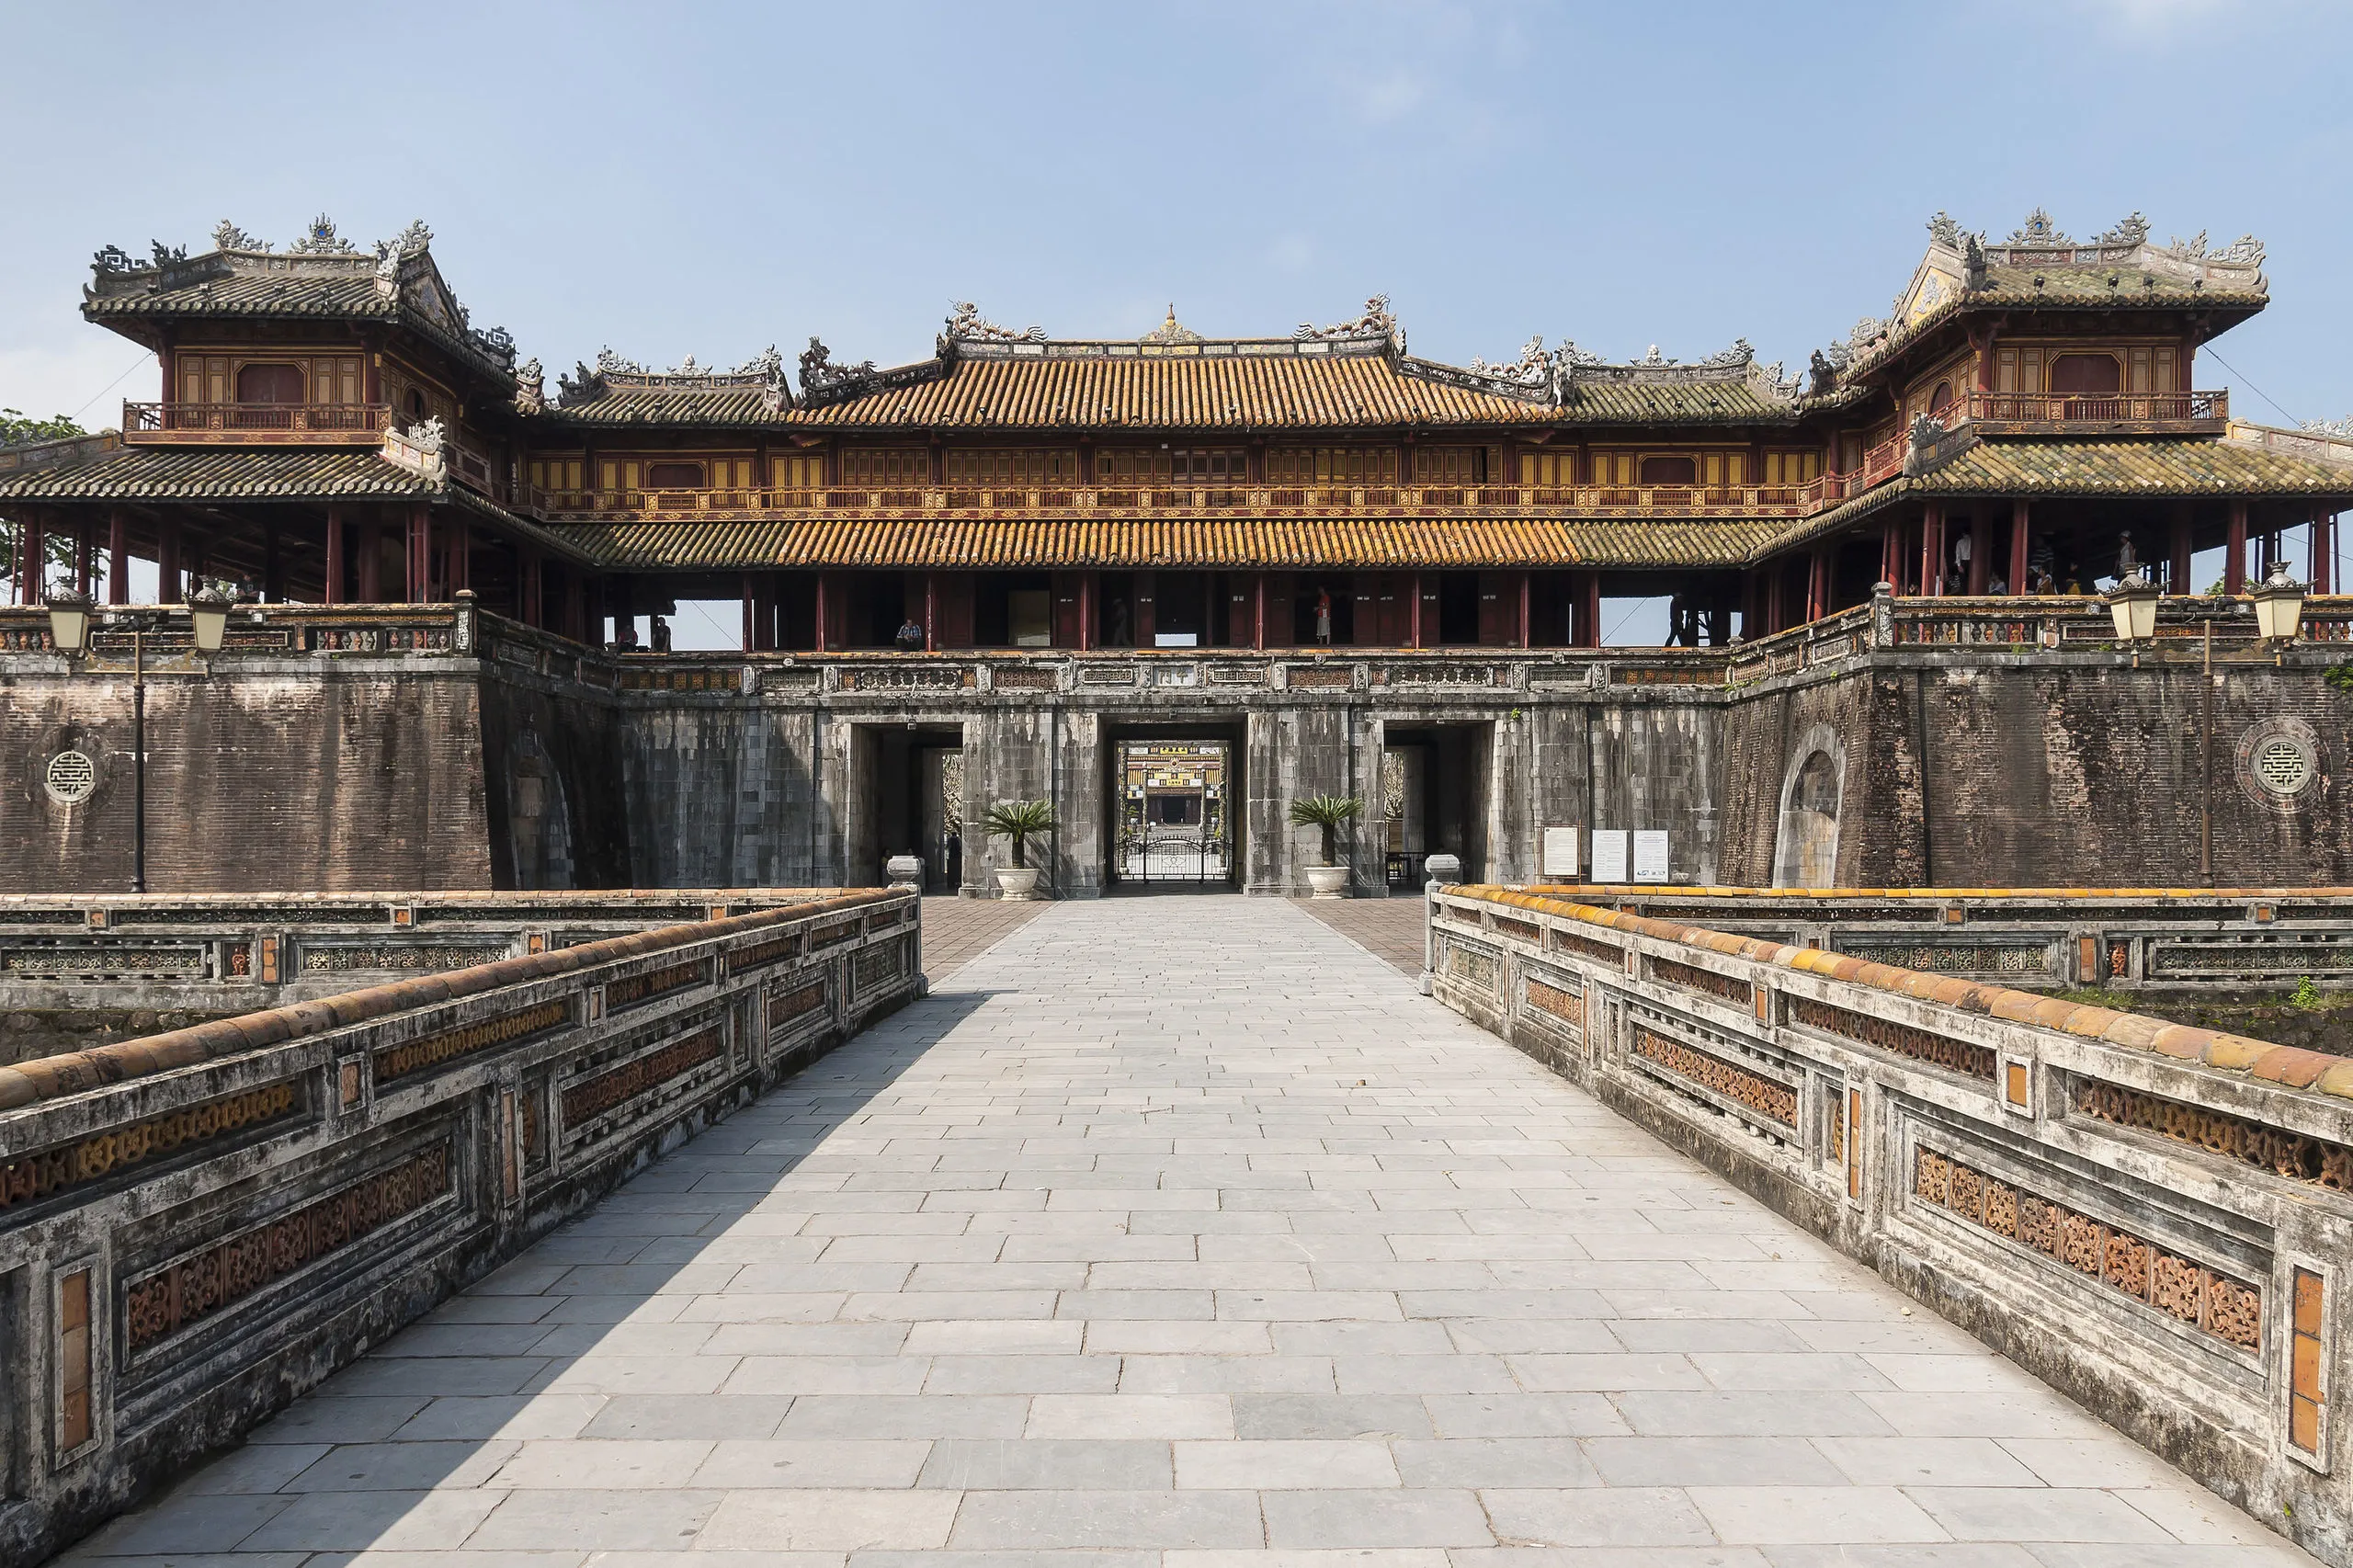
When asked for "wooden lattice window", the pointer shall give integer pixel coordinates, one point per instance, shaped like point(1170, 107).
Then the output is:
point(1450, 465)
point(802, 470)
point(887, 467)
point(1332, 465)
point(1670, 468)
point(1792, 468)
point(984, 466)
point(2085, 375)
point(673, 476)
point(1556, 469)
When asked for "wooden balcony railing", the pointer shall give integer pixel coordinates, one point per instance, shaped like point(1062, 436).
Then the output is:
point(2101, 408)
point(1651, 500)
point(244, 421)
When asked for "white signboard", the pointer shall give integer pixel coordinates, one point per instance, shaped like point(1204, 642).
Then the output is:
point(1650, 857)
point(1608, 855)
point(1560, 858)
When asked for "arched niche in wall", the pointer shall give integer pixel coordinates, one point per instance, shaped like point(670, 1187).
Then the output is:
point(1806, 838)
point(539, 818)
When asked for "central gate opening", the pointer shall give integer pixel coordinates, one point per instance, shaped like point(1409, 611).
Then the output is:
point(1173, 804)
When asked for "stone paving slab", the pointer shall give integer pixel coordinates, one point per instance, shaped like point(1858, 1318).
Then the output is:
point(1180, 1234)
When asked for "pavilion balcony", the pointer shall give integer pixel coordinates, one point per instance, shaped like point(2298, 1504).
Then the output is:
point(2171, 412)
point(1204, 500)
point(242, 424)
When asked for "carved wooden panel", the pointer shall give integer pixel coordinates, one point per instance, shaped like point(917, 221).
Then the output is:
point(1566, 1006)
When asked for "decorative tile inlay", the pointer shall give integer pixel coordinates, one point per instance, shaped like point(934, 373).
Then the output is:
point(585, 1101)
point(1468, 963)
point(37, 1175)
point(1592, 948)
point(2187, 1290)
point(1566, 1006)
point(195, 1287)
point(875, 968)
point(75, 1419)
point(787, 1005)
point(1769, 1098)
point(432, 1051)
point(1693, 978)
point(743, 959)
point(1957, 958)
point(1886, 1034)
point(654, 982)
point(2280, 1151)
point(397, 957)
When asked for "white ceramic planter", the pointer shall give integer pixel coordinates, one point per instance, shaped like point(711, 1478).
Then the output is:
point(1017, 881)
point(1328, 882)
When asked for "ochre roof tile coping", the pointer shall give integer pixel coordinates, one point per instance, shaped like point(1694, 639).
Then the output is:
point(2285, 1064)
point(1671, 890)
point(52, 1078)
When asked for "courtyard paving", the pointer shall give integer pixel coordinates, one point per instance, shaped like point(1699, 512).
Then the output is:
point(1181, 1233)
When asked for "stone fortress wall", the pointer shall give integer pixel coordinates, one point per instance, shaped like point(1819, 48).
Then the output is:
point(1906, 743)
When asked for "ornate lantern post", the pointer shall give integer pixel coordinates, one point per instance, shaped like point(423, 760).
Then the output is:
point(2278, 604)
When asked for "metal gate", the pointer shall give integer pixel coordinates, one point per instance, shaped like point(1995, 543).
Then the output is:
point(1173, 825)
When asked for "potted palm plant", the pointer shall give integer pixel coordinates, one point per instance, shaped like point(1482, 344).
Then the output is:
point(1016, 819)
point(1328, 814)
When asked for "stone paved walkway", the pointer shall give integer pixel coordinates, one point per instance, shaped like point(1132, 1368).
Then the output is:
point(1181, 1233)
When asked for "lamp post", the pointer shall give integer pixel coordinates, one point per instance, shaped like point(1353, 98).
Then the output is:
point(2278, 604)
point(2133, 603)
point(69, 627)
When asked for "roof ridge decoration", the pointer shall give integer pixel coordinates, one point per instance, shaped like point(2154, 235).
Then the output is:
point(1172, 331)
point(319, 239)
point(227, 236)
point(966, 325)
point(764, 371)
point(1551, 378)
point(1376, 321)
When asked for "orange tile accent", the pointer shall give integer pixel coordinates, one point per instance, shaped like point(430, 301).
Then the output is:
point(269, 960)
point(1854, 1143)
point(2013, 1081)
point(2307, 1391)
point(73, 1415)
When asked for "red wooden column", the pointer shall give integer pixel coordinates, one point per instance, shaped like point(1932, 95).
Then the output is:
point(824, 629)
point(461, 557)
point(1258, 610)
point(418, 582)
point(1525, 606)
point(1414, 614)
point(751, 637)
point(1932, 550)
point(1591, 602)
point(931, 614)
point(2020, 512)
point(32, 541)
point(1781, 571)
point(1980, 554)
point(81, 559)
point(334, 592)
point(2322, 570)
point(371, 562)
point(2177, 551)
point(167, 562)
point(117, 556)
point(1891, 554)
point(2234, 551)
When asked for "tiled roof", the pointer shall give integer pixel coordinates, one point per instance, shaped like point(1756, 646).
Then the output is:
point(724, 408)
point(2065, 288)
point(2157, 468)
point(1222, 542)
point(233, 294)
point(220, 473)
point(1257, 391)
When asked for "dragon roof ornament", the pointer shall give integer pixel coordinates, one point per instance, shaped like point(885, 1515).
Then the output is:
point(1377, 321)
point(966, 325)
point(763, 371)
point(227, 236)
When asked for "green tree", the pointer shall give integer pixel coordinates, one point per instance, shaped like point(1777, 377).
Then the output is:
point(18, 429)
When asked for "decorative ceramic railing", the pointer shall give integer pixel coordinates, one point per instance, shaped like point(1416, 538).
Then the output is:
point(335, 422)
point(2154, 1218)
point(197, 1226)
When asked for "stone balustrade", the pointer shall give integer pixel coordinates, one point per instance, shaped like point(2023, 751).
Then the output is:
point(2170, 939)
point(246, 952)
point(196, 1226)
point(2156, 1219)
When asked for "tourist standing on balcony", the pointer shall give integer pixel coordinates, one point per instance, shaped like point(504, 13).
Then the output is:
point(910, 637)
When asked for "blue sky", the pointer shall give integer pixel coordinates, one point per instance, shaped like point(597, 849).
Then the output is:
point(714, 178)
